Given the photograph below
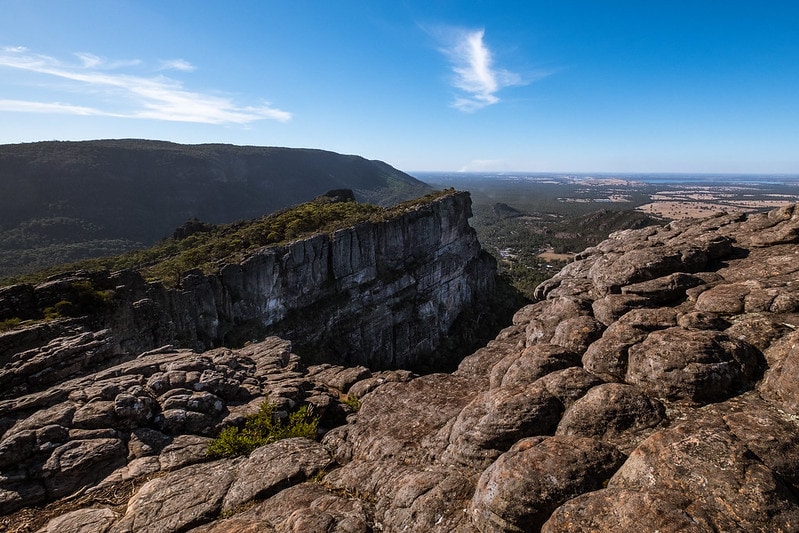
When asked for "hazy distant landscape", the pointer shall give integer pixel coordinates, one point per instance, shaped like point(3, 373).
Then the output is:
point(534, 223)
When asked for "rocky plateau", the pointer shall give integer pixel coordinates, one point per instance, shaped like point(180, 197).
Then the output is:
point(652, 387)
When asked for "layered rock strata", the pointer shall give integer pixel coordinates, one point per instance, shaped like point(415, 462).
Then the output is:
point(652, 388)
point(381, 294)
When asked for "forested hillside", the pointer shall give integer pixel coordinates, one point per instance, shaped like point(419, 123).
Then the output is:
point(64, 201)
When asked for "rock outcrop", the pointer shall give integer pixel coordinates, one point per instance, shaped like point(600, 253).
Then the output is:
point(652, 388)
point(383, 294)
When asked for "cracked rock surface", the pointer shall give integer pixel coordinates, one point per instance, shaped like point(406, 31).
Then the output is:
point(653, 386)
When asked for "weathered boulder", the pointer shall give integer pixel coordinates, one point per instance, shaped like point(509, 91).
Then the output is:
point(615, 413)
point(724, 482)
point(496, 419)
point(270, 468)
point(615, 509)
point(519, 491)
point(165, 504)
point(694, 365)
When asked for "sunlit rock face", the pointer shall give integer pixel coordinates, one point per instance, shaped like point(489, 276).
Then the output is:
point(651, 388)
point(382, 294)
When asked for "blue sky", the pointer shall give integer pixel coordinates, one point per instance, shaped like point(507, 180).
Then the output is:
point(557, 85)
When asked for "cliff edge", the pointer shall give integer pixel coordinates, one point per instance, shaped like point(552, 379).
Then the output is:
point(651, 388)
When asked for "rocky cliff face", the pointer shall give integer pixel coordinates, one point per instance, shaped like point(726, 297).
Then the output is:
point(381, 294)
point(67, 201)
point(652, 388)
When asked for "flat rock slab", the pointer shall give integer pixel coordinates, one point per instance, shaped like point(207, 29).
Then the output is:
point(271, 468)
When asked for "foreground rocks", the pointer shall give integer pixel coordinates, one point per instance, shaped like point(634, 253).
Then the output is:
point(652, 387)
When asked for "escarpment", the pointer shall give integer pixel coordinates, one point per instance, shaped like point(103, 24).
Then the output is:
point(383, 294)
point(651, 388)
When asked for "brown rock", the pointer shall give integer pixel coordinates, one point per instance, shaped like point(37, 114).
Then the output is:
point(272, 467)
point(303, 507)
point(702, 462)
point(666, 289)
point(179, 500)
point(80, 463)
point(534, 362)
point(610, 307)
point(575, 334)
point(82, 521)
point(780, 381)
point(614, 413)
point(496, 419)
point(570, 384)
point(756, 331)
point(608, 356)
point(615, 509)
point(701, 320)
point(695, 365)
point(727, 299)
point(519, 491)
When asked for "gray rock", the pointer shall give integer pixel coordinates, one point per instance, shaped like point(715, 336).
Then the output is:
point(304, 507)
point(167, 504)
point(184, 450)
point(81, 463)
point(687, 363)
point(82, 521)
point(272, 467)
point(96, 415)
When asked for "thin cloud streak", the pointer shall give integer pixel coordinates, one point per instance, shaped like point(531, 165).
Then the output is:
point(47, 107)
point(157, 98)
point(177, 64)
point(475, 74)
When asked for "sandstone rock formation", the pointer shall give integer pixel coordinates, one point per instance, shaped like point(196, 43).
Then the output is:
point(381, 294)
point(652, 388)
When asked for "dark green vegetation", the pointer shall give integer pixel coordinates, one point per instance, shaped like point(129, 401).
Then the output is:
point(263, 428)
point(532, 247)
point(206, 247)
point(65, 201)
point(82, 299)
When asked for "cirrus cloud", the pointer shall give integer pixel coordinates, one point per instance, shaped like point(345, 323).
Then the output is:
point(475, 75)
point(119, 93)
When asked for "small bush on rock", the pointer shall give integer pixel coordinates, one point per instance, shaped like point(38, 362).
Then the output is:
point(263, 428)
point(9, 324)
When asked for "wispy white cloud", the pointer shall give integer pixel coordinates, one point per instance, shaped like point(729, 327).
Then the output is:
point(177, 64)
point(46, 107)
point(475, 74)
point(120, 94)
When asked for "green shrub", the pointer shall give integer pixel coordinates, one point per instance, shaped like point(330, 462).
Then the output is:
point(353, 402)
point(263, 428)
point(9, 324)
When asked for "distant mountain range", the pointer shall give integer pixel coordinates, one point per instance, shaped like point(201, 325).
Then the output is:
point(64, 201)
